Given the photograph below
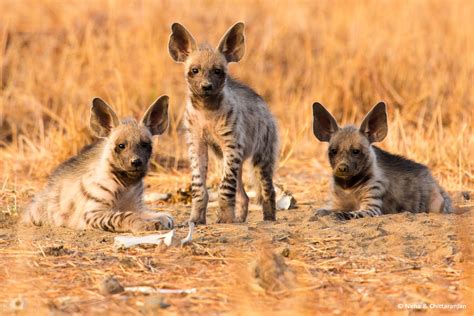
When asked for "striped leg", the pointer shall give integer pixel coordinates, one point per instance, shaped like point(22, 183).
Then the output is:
point(198, 154)
point(228, 186)
point(124, 221)
point(358, 214)
point(370, 206)
point(266, 192)
point(242, 208)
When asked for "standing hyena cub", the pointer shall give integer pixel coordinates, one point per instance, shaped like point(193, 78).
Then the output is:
point(102, 186)
point(368, 181)
point(231, 119)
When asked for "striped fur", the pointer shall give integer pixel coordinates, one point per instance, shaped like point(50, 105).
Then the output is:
point(368, 181)
point(102, 187)
point(231, 119)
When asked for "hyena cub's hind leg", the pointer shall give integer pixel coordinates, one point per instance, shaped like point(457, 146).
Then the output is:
point(199, 162)
point(242, 206)
point(440, 201)
point(34, 213)
point(264, 168)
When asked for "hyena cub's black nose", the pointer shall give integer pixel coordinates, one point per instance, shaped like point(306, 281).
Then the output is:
point(206, 86)
point(137, 162)
point(343, 168)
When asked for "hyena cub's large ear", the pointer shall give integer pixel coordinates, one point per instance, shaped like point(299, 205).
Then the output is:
point(374, 124)
point(103, 118)
point(156, 117)
point(324, 124)
point(181, 43)
point(232, 45)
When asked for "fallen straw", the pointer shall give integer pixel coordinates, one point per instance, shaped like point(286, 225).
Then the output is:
point(152, 290)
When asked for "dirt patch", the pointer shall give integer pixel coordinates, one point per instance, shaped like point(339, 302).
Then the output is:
point(56, 251)
point(292, 264)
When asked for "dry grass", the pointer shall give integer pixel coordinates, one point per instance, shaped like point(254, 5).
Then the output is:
point(417, 56)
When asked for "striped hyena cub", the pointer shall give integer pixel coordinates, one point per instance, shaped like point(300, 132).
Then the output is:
point(102, 186)
point(231, 119)
point(368, 181)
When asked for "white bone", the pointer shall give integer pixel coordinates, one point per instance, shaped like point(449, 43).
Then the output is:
point(189, 237)
point(124, 242)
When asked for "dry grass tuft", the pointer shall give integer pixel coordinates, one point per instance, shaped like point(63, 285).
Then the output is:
point(417, 56)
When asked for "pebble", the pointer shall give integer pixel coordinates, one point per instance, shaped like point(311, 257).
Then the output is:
point(110, 285)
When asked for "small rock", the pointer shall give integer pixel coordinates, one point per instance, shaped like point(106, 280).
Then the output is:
point(18, 304)
point(110, 285)
point(271, 272)
point(154, 302)
point(466, 195)
point(57, 251)
point(284, 198)
point(286, 202)
point(128, 262)
point(285, 252)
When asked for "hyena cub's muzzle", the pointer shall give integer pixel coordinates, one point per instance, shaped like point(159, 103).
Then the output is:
point(342, 171)
point(136, 163)
point(137, 168)
point(139, 165)
point(206, 88)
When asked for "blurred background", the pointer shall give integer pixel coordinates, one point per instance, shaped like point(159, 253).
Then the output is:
point(417, 56)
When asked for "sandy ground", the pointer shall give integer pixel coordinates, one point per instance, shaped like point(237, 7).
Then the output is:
point(294, 264)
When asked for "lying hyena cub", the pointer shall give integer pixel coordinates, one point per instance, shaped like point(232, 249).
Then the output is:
point(231, 119)
point(102, 186)
point(368, 181)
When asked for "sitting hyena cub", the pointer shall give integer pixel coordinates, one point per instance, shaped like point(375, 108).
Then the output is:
point(368, 181)
point(231, 119)
point(102, 186)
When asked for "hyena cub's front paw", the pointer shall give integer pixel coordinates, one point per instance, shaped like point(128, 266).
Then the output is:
point(320, 213)
point(153, 221)
point(198, 218)
point(165, 221)
point(225, 216)
point(344, 216)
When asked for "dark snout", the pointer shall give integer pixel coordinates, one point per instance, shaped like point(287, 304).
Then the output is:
point(136, 163)
point(342, 170)
point(207, 87)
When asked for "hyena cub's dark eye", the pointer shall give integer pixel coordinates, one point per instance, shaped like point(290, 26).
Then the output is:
point(145, 145)
point(355, 152)
point(121, 146)
point(218, 71)
point(332, 151)
point(194, 70)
